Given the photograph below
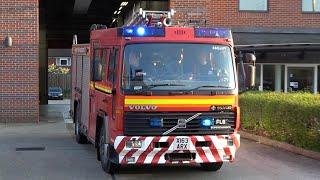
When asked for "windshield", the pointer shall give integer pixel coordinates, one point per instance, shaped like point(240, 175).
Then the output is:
point(171, 67)
point(57, 90)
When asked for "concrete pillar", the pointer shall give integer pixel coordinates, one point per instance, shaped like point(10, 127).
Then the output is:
point(43, 66)
point(315, 83)
point(278, 78)
point(261, 78)
point(285, 78)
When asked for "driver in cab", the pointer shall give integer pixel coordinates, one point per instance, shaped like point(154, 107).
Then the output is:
point(204, 67)
point(136, 71)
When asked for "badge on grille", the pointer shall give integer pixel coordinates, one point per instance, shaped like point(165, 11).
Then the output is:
point(182, 123)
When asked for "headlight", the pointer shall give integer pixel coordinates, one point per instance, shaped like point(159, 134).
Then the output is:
point(60, 94)
point(206, 122)
point(156, 122)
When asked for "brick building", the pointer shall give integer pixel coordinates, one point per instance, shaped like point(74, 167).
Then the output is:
point(284, 34)
point(19, 64)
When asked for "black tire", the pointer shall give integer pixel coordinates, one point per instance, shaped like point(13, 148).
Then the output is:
point(211, 166)
point(80, 137)
point(106, 155)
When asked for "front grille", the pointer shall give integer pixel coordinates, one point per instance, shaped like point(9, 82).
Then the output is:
point(138, 124)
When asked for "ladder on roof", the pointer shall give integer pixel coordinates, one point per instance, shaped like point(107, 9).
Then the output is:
point(151, 18)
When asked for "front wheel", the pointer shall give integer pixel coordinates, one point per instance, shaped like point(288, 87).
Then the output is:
point(105, 154)
point(211, 166)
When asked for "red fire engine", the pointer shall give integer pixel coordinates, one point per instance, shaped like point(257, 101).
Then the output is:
point(152, 94)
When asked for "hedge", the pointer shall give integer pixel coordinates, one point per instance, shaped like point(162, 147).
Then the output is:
point(293, 118)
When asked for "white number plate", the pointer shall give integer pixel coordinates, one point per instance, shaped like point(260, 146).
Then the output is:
point(181, 143)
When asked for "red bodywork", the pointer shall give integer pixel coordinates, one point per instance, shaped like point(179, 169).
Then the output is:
point(106, 99)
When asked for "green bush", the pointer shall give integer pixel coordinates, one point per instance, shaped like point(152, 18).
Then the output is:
point(293, 118)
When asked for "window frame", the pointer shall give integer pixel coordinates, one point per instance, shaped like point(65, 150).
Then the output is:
point(254, 11)
point(59, 59)
point(112, 65)
point(310, 12)
point(97, 53)
point(104, 63)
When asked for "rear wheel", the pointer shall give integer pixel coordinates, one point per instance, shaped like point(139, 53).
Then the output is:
point(105, 154)
point(80, 138)
point(211, 166)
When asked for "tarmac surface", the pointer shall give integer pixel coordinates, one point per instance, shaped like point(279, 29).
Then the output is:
point(48, 151)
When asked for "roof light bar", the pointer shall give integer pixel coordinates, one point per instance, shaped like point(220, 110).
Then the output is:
point(141, 31)
point(213, 33)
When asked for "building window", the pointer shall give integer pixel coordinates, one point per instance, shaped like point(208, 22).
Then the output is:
point(63, 61)
point(311, 5)
point(253, 5)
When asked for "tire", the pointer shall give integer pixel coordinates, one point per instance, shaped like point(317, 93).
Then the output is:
point(106, 155)
point(211, 166)
point(80, 137)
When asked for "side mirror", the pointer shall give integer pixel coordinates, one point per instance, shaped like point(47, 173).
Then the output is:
point(97, 71)
point(250, 58)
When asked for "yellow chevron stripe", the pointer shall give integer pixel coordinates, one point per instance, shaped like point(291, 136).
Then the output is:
point(226, 101)
point(103, 89)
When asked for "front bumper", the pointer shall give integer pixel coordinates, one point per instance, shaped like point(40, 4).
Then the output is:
point(202, 149)
point(55, 97)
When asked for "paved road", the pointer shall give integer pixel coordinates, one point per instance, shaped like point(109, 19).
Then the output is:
point(61, 102)
point(62, 158)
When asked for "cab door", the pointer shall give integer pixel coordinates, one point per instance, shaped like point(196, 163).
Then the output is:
point(111, 98)
point(98, 88)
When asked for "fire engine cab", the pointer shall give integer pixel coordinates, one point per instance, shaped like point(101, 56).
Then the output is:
point(150, 93)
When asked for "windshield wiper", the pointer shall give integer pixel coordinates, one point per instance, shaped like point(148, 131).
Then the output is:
point(163, 85)
point(197, 88)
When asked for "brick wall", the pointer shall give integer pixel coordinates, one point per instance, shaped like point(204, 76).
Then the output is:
point(190, 10)
point(19, 85)
point(225, 13)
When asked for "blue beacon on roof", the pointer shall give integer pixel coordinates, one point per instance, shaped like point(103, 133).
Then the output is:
point(141, 31)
